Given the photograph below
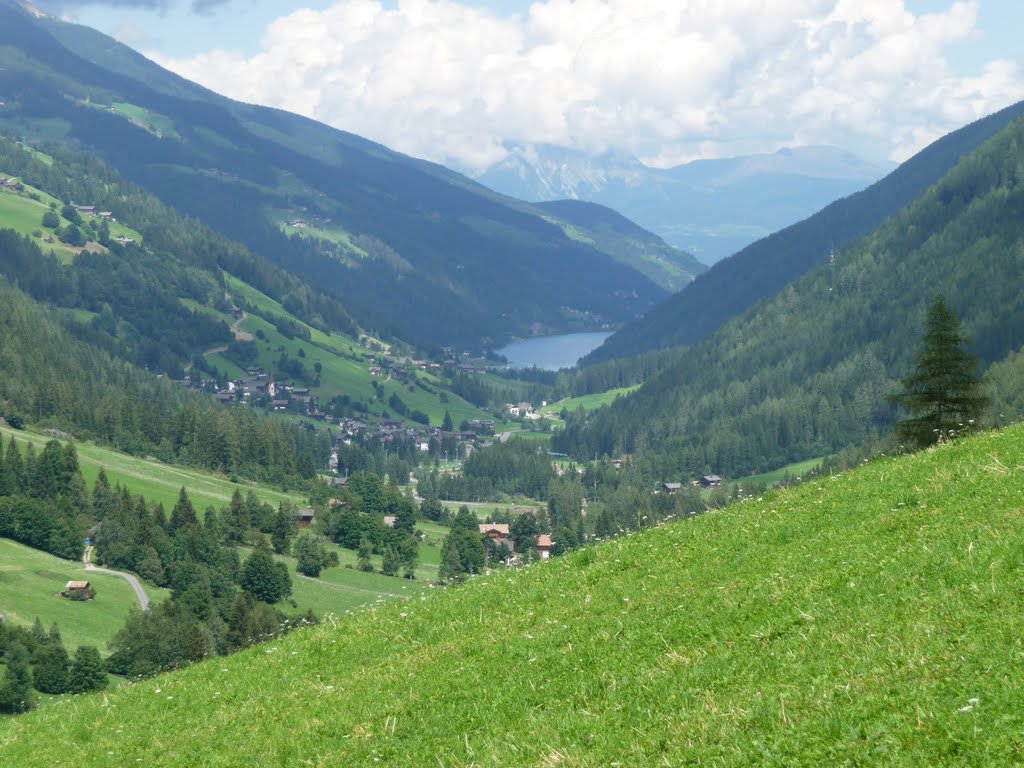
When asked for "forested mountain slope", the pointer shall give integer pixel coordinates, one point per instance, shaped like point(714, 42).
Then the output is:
point(408, 244)
point(808, 371)
point(56, 378)
point(760, 270)
point(167, 293)
point(872, 618)
point(627, 242)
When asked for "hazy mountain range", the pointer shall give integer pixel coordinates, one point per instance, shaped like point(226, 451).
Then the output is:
point(710, 208)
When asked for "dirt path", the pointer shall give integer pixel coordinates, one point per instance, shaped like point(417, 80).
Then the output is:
point(240, 335)
point(139, 591)
point(236, 329)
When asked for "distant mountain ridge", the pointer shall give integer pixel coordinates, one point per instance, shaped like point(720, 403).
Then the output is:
point(710, 208)
point(765, 267)
point(413, 248)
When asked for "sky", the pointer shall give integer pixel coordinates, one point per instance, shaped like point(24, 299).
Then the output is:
point(668, 81)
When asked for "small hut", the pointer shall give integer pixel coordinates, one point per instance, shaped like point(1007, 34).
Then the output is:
point(78, 590)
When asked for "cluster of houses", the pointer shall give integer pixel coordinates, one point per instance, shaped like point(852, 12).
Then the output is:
point(90, 210)
point(707, 481)
point(283, 396)
point(499, 533)
point(12, 184)
point(391, 431)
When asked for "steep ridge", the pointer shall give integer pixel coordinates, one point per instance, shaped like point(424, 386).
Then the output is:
point(867, 618)
point(627, 242)
point(807, 372)
point(408, 244)
point(762, 269)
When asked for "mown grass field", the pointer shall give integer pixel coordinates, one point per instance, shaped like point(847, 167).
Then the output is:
point(872, 618)
point(157, 124)
point(30, 586)
point(797, 469)
point(587, 402)
point(155, 480)
point(25, 215)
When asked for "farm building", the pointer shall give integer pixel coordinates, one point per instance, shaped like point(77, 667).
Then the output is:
point(78, 590)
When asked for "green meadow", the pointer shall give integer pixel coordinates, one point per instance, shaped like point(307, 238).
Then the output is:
point(869, 618)
point(154, 479)
point(587, 402)
point(30, 586)
point(24, 215)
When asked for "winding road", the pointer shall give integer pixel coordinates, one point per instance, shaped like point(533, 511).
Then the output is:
point(139, 591)
point(239, 334)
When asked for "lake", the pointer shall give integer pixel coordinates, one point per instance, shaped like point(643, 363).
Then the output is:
point(552, 352)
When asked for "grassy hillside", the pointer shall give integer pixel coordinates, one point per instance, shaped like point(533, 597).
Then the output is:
point(869, 618)
point(30, 585)
point(154, 479)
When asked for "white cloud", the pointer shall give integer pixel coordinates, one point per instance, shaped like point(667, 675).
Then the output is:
point(667, 80)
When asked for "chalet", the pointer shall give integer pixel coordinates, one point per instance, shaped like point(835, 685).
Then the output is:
point(124, 240)
point(671, 488)
point(498, 533)
point(340, 481)
point(109, 215)
point(304, 518)
point(226, 397)
point(376, 371)
point(423, 445)
point(88, 210)
point(78, 590)
point(710, 481)
point(544, 545)
point(280, 405)
point(300, 392)
point(389, 521)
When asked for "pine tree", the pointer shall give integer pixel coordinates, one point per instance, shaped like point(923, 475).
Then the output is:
point(364, 556)
point(310, 556)
point(184, 514)
point(87, 672)
point(263, 578)
point(284, 528)
point(16, 684)
point(391, 562)
point(14, 468)
point(943, 395)
point(51, 670)
point(237, 520)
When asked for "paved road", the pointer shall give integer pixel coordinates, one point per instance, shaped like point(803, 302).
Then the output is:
point(139, 591)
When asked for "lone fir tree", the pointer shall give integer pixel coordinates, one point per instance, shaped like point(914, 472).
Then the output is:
point(943, 395)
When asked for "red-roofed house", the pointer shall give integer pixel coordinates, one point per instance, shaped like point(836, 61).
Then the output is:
point(498, 533)
point(544, 545)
